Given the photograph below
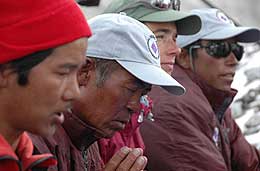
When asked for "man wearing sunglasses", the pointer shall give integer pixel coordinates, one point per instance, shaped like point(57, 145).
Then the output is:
point(196, 131)
point(166, 21)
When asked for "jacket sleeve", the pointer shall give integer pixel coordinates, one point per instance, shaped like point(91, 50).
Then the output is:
point(175, 142)
point(244, 156)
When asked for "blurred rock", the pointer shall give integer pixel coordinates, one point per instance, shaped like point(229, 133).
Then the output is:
point(252, 126)
point(249, 101)
point(252, 130)
point(254, 121)
point(237, 109)
point(252, 74)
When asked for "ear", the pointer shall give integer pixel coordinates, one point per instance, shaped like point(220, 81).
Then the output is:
point(183, 59)
point(5, 75)
point(84, 71)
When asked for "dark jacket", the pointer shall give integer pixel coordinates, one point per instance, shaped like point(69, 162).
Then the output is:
point(195, 131)
point(22, 159)
point(69, 144)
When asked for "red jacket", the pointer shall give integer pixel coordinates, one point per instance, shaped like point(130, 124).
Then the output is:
point(195, 131)
point(22, 159)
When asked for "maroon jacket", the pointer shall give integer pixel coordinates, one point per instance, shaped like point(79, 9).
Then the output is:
point(22, 159)
point(195, 131)
point(69, 143)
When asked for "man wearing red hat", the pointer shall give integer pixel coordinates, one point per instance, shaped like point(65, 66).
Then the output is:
point(39, 60)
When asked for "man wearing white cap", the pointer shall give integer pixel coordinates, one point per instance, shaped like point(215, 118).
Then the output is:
point(166, 21)
point(122, 63)
point(196, 131)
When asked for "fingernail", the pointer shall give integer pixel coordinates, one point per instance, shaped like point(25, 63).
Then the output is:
point(141, 160)
point(136, 152)
point(125, 150)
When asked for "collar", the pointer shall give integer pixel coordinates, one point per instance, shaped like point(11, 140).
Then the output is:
point(219, 100)
point(81, 134)
point(22, 157)
point(8, 159)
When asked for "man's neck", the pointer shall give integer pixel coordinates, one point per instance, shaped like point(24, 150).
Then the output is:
point(12, 137)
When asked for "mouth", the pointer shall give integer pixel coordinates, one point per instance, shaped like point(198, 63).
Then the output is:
point(120, 125)
point(168, 66)
point(229, 76)
point(168, 63)
point(58, 117)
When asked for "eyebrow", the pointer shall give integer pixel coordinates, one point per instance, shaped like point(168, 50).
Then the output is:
point(162, 30)
point(70, 66)
point(165, 31)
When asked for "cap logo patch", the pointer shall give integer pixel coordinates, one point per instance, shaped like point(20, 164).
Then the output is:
point(152, 46)
point(223, 18)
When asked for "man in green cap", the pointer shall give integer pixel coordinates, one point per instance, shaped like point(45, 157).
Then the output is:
point(166, 22)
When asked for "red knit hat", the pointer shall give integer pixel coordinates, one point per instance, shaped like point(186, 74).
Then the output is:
point(29, 26)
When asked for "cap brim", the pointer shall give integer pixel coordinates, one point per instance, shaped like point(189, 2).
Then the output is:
point(242, 34)
point(186, 23)
point(153, 75)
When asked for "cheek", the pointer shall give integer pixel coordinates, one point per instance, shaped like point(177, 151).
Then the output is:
point(103, 111)
point(116, 108)
point(118, 99)
point(51, 91)
point(210, 73)
point(30, 115)
point(162, 46)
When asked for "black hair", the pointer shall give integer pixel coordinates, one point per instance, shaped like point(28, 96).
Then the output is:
point(24, 65)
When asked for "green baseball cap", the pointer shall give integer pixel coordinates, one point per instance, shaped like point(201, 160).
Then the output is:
point(145, 11)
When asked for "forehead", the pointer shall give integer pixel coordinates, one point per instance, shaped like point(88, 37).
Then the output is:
point(155, 26)
point(76, 46)
point(73, 52)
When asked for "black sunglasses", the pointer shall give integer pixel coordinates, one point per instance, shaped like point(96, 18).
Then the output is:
point(166, 4)
point(219, 49)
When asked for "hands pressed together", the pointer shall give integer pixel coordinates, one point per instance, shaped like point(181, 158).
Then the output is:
point(127, 159)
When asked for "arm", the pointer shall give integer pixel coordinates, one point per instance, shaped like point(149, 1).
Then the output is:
point(180, 149)
point(180, 138)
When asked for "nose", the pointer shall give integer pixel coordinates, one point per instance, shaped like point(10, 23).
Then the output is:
point(72, 90)
point(173, 49)
point(231, 59)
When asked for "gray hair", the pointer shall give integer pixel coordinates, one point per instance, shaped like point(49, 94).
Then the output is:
point(104, 68)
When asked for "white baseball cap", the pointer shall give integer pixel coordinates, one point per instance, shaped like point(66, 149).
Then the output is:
point(129, 42)
point(217, 26)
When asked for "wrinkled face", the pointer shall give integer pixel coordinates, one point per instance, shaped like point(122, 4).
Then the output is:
point(52, 85)
point(108, 108)
point(217, 72)
point(166, 34)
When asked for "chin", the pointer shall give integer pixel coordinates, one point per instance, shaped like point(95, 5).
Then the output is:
point(109, 134)
point(47, 132)
point(169, 71)
point(227, 88)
